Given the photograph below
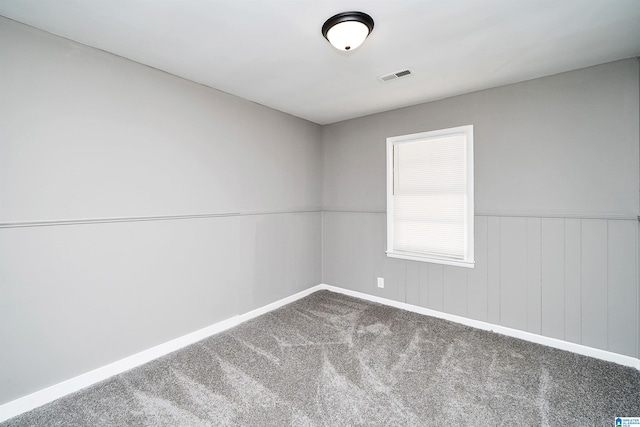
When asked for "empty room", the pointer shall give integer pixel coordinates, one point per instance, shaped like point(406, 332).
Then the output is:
point(319, 213)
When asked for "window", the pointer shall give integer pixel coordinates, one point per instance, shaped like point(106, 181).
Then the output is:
point(430, 196)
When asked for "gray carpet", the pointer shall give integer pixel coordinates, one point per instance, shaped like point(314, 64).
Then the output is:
point(333, 360)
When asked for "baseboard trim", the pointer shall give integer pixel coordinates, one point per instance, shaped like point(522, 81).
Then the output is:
point(56, 391)
point(527, 336)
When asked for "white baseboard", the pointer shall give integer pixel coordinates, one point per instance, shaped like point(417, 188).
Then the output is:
point(56, 391)
point(527, 336)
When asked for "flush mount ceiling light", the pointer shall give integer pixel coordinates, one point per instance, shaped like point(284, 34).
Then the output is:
point(347, 30)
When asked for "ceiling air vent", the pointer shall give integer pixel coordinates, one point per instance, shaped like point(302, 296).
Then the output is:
point(396, 75)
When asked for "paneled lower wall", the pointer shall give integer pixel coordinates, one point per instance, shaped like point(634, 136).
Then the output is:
point(279, 256)
point(74, 298)
point(566, 278)
point(126, 220)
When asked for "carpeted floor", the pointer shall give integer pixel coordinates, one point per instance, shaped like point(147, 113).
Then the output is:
point(333, 360)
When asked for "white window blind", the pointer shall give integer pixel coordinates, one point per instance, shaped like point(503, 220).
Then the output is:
point(430, 196)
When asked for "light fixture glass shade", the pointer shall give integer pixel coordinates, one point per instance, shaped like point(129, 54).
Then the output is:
point(347, 30)
point(347, 35)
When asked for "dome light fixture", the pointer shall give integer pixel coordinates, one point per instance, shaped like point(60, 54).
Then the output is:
point(347, 30)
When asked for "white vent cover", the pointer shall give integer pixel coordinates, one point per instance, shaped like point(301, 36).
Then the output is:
point(396, 75)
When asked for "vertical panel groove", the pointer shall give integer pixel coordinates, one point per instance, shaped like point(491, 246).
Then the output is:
point(493, 258)
point(594, 283)
point(581, 333)
point(622, 287)
point(404, 265)
point(564, 277)
point(533, 274)
point(442, 290)
point(466, 285)
point(527, 258)
point(541, 263)
point(487, 252)
point(607, 284)
point(322, 247)
point(420, 288)
point(553, 278)
point(428, 284)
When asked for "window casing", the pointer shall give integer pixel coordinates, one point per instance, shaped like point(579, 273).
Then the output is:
point(430, 196)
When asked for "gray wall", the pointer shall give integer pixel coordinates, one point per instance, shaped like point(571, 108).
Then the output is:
point(85, 135)
point(556, 195)
point(92, 145)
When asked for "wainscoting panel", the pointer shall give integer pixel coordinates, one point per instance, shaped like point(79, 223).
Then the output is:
point(347, 252)
point(436, 287)
point(534, 275)
point(493, 266)
point(623, 285)
point(414, 283)
point(77, 297)
point(477, 277)
point(567, 278)
point(354, 257)
point(553, 277)
point(594, 283)
point(455, 296)
point(279, 256)
point(572, 280)
point(513, 267)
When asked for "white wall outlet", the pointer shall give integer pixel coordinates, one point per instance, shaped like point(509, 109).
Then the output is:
point(380, 282)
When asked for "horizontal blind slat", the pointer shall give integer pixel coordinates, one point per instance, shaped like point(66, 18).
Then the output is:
point(430, 196)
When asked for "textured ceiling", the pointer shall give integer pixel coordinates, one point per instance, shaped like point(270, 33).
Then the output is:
point(272, 52)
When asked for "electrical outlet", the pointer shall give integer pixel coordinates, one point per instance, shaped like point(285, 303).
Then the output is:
point(380, 282)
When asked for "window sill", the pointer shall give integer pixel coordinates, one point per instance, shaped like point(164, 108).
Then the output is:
point(455, 263)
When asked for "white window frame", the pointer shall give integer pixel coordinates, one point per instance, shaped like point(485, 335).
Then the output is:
point(468, 259)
